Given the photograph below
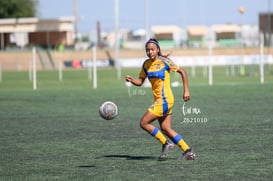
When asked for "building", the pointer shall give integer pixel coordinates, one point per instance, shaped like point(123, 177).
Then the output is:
point(168, 35)
point(227, 34)
point(34, 31)
point(196, 36)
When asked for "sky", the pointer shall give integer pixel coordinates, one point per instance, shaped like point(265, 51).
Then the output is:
point(132, 15)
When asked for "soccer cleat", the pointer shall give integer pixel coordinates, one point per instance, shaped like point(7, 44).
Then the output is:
point(168, 146)
point(189, 155)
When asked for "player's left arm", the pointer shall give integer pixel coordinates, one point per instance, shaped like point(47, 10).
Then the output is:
point(183, 73)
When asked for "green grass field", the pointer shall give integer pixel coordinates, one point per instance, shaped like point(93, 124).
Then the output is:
point(55, 132)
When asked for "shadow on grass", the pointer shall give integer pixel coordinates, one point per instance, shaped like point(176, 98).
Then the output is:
point(130, 157)
point(86, 166)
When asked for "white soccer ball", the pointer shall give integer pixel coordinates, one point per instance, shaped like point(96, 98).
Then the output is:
point(108, 110)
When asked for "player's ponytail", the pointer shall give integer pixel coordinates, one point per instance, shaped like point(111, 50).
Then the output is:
point(154, 41)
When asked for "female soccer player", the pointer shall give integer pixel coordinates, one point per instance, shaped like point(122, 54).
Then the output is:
point(157, 68)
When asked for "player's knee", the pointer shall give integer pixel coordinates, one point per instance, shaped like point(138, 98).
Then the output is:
point(142, 124)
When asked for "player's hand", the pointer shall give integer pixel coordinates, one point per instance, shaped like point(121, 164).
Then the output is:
point(186, 96)
point(128, 78)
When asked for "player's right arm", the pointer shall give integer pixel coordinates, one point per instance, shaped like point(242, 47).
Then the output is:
point(141, 78)
point(136, 82)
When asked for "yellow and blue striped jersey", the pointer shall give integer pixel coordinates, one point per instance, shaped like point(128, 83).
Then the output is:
point(158, 73)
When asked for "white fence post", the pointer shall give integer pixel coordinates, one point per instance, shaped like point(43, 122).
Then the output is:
point(34, 77)
point(262, 58)
point(60, 71)
point(210, 65)
point(94, 68)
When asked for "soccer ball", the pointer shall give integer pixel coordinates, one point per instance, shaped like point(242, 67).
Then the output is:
point(108, 110)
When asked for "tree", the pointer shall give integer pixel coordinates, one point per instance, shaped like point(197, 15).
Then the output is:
point(18, 8)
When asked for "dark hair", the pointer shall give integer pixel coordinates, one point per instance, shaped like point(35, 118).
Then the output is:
point(154, 41)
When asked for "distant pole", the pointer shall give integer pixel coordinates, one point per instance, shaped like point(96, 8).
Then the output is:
point(98, 34)
point(76, 17)
point(34, 77)
point(262, 58)
point(94, 67)
point(269, 25)
point(210, 64)
point(146, 19)
point(242, 68)
point(117, 43)
point(60, 71)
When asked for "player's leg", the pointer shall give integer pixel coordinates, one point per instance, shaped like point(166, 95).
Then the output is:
point(145, 123)
point(165, 125)
point(168, 146)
